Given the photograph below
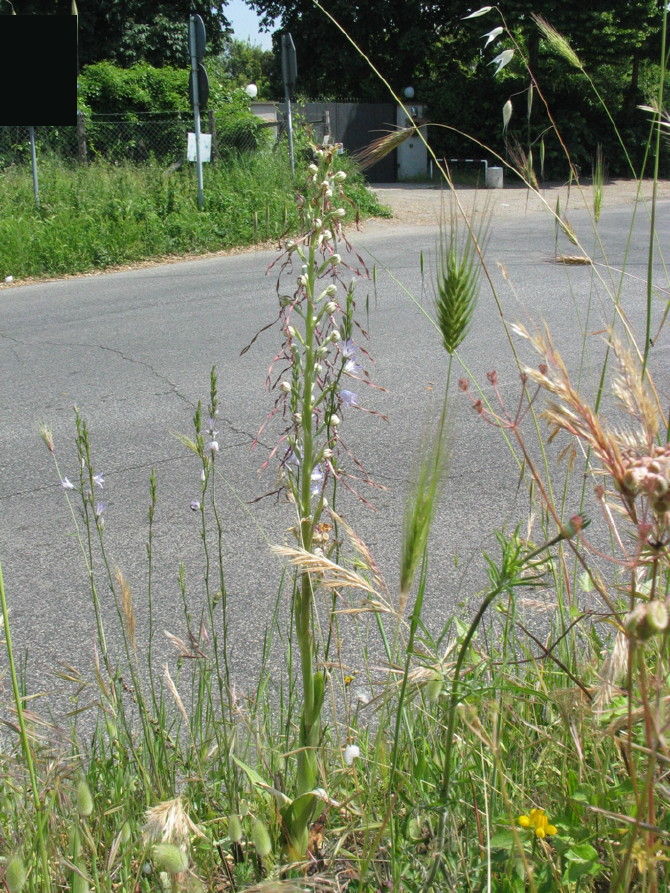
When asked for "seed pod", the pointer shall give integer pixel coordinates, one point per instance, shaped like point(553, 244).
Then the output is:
point(169, 858)
point(647, 620)
point(235, 828)
point(261, 839)
point(84, 799)
point(15, 875)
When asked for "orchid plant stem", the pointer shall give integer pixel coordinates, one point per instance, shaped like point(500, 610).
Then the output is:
point(309, 726)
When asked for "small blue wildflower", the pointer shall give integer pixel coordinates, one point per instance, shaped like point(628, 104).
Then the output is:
point(317, 479)
point(348, 398)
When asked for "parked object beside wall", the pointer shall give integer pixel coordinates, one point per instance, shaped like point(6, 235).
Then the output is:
point(412, 154)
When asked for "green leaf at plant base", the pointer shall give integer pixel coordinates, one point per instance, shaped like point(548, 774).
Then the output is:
point(582, 861)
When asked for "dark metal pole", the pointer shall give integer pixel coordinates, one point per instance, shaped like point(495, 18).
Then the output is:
point(289, 125)
point(33, 161)
point(196, 110)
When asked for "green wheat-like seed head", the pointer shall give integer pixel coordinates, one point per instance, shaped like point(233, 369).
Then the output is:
point(419, 512)
point(557, 42)
point(456, 289)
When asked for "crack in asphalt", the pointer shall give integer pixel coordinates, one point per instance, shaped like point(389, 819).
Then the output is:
point(174, 388)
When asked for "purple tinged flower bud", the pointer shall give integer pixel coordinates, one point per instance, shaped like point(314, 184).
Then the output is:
point(99, 480)
point(285, 386)
point(67, 484)
point(331, 307)
point(335, 420)
point(327, 453)
point(335, 336)
point(195, 505)
point(291, 331)
point(318, 223)
point(213, 446)
point(302, 280)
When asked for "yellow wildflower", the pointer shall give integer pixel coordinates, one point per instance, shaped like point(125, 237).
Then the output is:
point(537, 821)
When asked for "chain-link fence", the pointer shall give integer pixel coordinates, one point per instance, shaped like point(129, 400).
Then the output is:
point(136, 138)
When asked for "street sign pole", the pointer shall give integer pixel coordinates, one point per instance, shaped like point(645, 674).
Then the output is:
point(33, 163)
point(289, 124)
point(289, 71)
point(196, 104)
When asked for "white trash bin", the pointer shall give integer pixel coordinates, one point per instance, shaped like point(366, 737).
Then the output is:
point(494, 178)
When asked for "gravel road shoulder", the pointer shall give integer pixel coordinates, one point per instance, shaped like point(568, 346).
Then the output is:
point(421, 205)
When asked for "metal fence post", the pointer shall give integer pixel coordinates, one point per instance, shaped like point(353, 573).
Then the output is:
point(211, 120)
point(33, 164)
point(81, 138)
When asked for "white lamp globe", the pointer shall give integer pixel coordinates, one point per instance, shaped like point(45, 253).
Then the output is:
point(408, 92)
point(251, 90)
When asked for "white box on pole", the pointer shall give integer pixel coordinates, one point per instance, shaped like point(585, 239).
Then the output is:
point(205, 147)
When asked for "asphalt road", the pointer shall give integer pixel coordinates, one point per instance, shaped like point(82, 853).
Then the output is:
point(133, 351)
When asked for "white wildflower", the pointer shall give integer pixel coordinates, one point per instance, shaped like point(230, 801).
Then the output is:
point(351, 753)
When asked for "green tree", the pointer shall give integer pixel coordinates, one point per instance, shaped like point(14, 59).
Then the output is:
point(431, 46)
point(394, 33)
point(130, 31)
point(240, 63)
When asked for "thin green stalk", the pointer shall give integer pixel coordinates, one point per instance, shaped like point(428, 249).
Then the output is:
point(41, 815)
point(652, 220)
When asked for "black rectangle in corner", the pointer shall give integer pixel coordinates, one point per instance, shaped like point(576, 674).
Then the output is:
point(38, 70)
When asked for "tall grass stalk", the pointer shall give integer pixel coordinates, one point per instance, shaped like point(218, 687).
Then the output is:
point(41, 814)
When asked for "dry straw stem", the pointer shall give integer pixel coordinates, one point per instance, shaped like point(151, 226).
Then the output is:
point(361, 550)
point(573, 415)
point(329, 574)
point(175, 694)
point(127, 608)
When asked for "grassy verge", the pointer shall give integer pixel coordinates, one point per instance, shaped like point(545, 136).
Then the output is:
point(105, 214)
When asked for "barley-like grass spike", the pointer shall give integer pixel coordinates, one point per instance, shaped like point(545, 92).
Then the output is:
point(457, 287)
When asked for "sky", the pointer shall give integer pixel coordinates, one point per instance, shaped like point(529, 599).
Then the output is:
point(244, 22)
